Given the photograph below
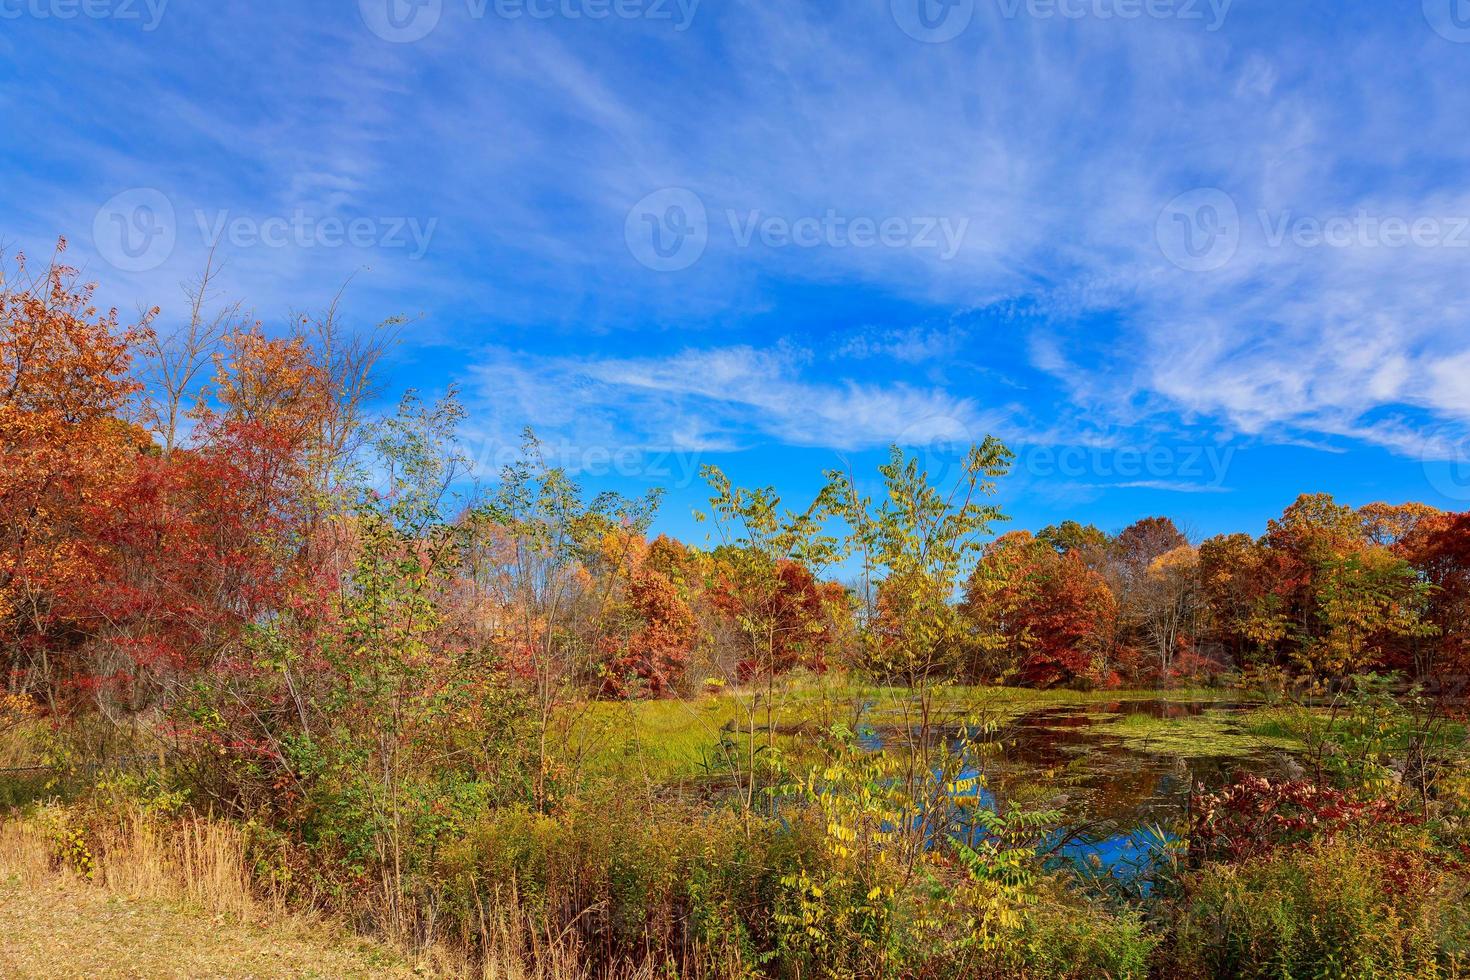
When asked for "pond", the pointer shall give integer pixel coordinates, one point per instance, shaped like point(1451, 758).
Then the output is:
point(1120, 771)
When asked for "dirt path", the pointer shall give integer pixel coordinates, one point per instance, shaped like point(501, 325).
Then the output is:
point(62, 928)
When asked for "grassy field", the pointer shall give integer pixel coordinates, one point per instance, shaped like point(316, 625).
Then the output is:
point(682, 738)
point(141, 916)
point(69, 928)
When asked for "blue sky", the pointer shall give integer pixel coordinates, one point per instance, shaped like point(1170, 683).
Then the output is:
point(1186, 257)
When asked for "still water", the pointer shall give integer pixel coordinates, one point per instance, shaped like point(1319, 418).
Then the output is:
point(1123, 803)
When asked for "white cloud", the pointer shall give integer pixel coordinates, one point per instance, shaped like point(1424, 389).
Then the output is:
point(1058, 141)
point(716, 399)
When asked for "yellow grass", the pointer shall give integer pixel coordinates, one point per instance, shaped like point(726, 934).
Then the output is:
point(179, 905)
point(175, 899)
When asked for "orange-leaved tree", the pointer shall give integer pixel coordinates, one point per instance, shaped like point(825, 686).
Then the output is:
point(68, 434)
point(1047, 617)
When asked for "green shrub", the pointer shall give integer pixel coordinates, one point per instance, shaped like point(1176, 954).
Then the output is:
point(673, 879)
point(1344, 910)
point(1065, 939)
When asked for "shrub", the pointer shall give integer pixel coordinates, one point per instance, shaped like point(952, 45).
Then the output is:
point(1256, 815)
point(1064, 939)
point(1343, 909)
point(623, 882)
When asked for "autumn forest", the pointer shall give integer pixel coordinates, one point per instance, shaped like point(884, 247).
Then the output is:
point(256, 629)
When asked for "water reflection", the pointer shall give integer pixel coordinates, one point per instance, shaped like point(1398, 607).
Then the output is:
point(1116, 797)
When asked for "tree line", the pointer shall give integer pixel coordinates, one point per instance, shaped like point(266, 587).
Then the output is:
point(173, 501)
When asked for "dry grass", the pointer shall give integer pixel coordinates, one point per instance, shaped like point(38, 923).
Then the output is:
point(176, 899)
point(156, 906)
point(518, 950)
point(72, 929)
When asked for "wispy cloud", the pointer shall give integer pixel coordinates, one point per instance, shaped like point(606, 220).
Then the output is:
point(1058, 143)
point(717, 399)
point(1168, 486)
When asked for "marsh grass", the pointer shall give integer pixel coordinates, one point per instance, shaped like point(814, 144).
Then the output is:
point(23, 776)
point(196, 861)
point(1279, 722)
point(1303, 724)
point(188, 879)
point(1341, 910)
point(1209, 734)
point(682, 738)
point(140, 897)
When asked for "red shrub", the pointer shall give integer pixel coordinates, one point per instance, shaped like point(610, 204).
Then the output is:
point(1254, 816)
